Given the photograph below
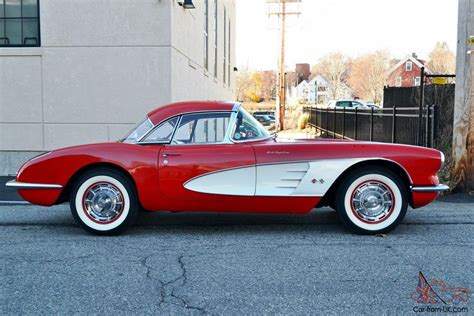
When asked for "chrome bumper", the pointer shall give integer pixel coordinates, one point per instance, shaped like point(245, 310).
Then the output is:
point(24, 185)
point(435, 188)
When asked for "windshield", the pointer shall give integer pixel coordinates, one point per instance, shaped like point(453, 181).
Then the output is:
point(138, 132)
point(248, 128)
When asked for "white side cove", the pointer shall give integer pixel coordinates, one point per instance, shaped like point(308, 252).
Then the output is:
point(238, 181)
point(312, 178)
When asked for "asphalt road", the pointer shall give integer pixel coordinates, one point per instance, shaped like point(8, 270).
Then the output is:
point(185, 263)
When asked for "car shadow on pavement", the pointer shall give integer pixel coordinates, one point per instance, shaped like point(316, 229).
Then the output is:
point(320, 219)
point(203, 223)
point(59, 218)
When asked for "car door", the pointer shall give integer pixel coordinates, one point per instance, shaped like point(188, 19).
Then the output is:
point(200, 147)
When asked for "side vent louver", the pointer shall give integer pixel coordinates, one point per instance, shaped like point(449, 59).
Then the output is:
point(280, 179)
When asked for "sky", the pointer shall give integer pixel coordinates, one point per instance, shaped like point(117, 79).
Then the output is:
point(353, 27)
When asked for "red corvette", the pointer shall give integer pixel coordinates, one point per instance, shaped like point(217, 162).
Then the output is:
point(214, 156)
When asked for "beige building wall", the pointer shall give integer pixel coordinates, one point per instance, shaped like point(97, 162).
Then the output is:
point(189, 72)
point(101, 67)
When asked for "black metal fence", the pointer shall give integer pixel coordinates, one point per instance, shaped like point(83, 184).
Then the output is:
point(390, 125)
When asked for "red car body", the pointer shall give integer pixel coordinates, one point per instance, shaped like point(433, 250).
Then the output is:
point(161, 187)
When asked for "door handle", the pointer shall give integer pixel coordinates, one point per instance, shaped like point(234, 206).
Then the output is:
point(171, 154)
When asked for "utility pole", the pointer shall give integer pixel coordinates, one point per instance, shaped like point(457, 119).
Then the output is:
point(463, 131)
point(282, 13)
point(281, 94)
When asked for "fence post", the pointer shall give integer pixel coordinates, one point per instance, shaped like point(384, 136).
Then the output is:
point(428, 126)
point(355, 124)
point(394, 124)
point(310, 118)
point(434, 123)
point(422, 101)
point(371, 124)
point(327, 122)
point(317, 120)
point(334, 123)
point(343, 122)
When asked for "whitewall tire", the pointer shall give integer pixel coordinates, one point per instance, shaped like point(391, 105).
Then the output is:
point(104, 202)
point(371, 200)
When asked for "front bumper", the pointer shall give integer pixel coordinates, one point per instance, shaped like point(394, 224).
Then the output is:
point(24, 185)
point(433, 188)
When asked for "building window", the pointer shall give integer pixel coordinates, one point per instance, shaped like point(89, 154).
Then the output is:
point(215, 38)
point(206, 34)
point(228, 57)
point(417, 81)
point(409, 66)
point(19, 23)
point(225, 47)
point(398, 81)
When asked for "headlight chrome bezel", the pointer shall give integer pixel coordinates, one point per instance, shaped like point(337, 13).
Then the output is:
point(443, 160)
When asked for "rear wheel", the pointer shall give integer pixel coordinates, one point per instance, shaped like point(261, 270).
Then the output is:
point(104, 202)
point(371, 200)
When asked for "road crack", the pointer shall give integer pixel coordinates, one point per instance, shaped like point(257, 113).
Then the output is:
point(167, 289)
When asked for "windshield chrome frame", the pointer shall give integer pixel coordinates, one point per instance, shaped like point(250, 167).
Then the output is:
point(235, 141)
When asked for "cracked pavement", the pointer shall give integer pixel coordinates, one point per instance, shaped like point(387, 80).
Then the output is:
point(205, 263)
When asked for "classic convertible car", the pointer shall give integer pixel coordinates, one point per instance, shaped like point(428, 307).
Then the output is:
point(214, 156)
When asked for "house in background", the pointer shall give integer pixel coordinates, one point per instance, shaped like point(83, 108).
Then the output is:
point(302, 91)
point(314, 91)
point(406, 73)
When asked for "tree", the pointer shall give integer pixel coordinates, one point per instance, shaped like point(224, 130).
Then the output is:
point(249, 86)
point(335, 68)
point(268, 85)
point(442, 60)
point(368, 75)
point(255, 94)
point(242, 84)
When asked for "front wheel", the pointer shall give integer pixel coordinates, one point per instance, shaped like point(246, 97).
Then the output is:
point(104, 202)
point(371, 201)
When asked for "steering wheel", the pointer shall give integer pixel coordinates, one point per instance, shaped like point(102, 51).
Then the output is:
point(250, 133)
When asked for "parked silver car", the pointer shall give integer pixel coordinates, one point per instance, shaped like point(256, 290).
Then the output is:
point(350, 104)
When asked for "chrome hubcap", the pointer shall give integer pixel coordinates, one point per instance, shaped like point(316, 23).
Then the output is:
point(103, 202)
point(372, 201)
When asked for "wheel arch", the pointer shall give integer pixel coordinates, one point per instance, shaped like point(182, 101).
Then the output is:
point(396, 168)
point(64, 197)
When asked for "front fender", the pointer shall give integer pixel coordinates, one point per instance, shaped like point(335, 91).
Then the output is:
point(59, 167)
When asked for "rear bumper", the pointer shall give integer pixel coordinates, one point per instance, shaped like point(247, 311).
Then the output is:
point(24, 185)
point(433, 188)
